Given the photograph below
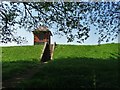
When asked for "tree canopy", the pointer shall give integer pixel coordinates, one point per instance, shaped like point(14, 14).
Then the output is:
point(72, 19)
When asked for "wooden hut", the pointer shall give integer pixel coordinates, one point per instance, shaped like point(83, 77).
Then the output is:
point(42, 35)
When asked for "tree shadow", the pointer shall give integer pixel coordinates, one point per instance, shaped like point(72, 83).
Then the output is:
point(13, 68)
point(13, 72)
point(76, 73)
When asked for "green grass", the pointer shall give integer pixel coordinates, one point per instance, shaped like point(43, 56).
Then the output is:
point(89, 51)
point(16, 60)
point(79, 67)
point(21, 53)
point(76, 73)
point(76, 67)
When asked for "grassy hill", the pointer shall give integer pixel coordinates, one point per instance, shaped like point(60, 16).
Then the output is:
point(21, 53)
point(17, 59)
point(89, 51)
point(73, 67)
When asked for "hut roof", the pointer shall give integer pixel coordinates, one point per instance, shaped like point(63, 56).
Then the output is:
point(42, 29)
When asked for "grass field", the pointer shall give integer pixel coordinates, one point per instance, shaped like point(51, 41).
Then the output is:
point(74, 67)
point(104, 51)
point(16, 60)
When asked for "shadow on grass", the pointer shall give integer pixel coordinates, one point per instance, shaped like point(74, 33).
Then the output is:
point(76, 73)
point(12, 68)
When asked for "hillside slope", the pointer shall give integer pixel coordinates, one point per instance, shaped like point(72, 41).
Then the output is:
point(17, 53)
point(89, 51)
point(73, 67)
point(79, 67)
point(18, 59)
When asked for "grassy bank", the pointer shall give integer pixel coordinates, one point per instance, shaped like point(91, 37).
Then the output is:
point(73, 67)
point(16, 60)
point(79, 67)
point(89, 51)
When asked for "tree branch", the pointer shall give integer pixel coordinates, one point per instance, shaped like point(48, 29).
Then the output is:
point(35, 7)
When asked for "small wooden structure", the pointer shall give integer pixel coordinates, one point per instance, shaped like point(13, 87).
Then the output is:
point(42, 35)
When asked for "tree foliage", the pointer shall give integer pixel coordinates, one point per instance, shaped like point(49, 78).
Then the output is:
point(72, 19)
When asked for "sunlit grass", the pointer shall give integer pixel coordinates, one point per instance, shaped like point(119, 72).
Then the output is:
point(21, 53)
point(89, 51)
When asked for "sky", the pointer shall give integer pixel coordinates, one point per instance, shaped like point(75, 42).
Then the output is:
point(92, 40)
